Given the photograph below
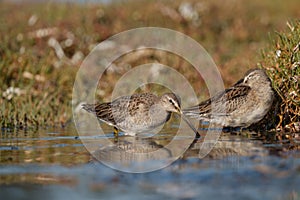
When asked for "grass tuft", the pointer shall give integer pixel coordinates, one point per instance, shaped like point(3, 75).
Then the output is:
point(282, 63)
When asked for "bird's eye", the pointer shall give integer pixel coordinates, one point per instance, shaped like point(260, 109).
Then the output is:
point(170, 100)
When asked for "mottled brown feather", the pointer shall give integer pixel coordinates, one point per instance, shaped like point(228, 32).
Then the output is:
point(116, 111)
point(234, 97)
point(243, 104)
point(137, 113)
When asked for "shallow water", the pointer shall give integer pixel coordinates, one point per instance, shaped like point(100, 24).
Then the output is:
point(55, 164)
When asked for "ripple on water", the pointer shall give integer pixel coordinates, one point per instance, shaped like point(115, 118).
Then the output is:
point(58, 165)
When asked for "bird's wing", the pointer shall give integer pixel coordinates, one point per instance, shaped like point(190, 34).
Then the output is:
point(140, 103)
point(103, 111)
point(119, 109)
point(223, 102)
point(236, 97)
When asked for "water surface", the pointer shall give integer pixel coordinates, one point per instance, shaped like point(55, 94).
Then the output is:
point(54, 164)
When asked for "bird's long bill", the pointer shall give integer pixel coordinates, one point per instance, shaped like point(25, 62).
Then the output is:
point(190, 125)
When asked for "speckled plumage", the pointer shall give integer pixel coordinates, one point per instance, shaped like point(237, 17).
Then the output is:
point(241, 105)
point(136, 113)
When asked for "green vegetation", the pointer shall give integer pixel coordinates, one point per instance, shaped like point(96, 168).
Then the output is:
point(43, 44)
point(282, 62)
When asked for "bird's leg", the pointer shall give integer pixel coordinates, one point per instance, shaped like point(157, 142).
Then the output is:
point(116, 134)
point(243, 129)
point(233, 130)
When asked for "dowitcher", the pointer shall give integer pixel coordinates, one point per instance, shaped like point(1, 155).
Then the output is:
point(137, 113)
point(241, 105)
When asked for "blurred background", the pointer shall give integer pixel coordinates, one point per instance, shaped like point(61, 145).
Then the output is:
point(44, 42)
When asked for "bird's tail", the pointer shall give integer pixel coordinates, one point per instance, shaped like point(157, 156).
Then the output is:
point(89, 107)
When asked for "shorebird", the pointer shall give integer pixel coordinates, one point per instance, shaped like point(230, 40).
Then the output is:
point(241, 105)
point(137, 113)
